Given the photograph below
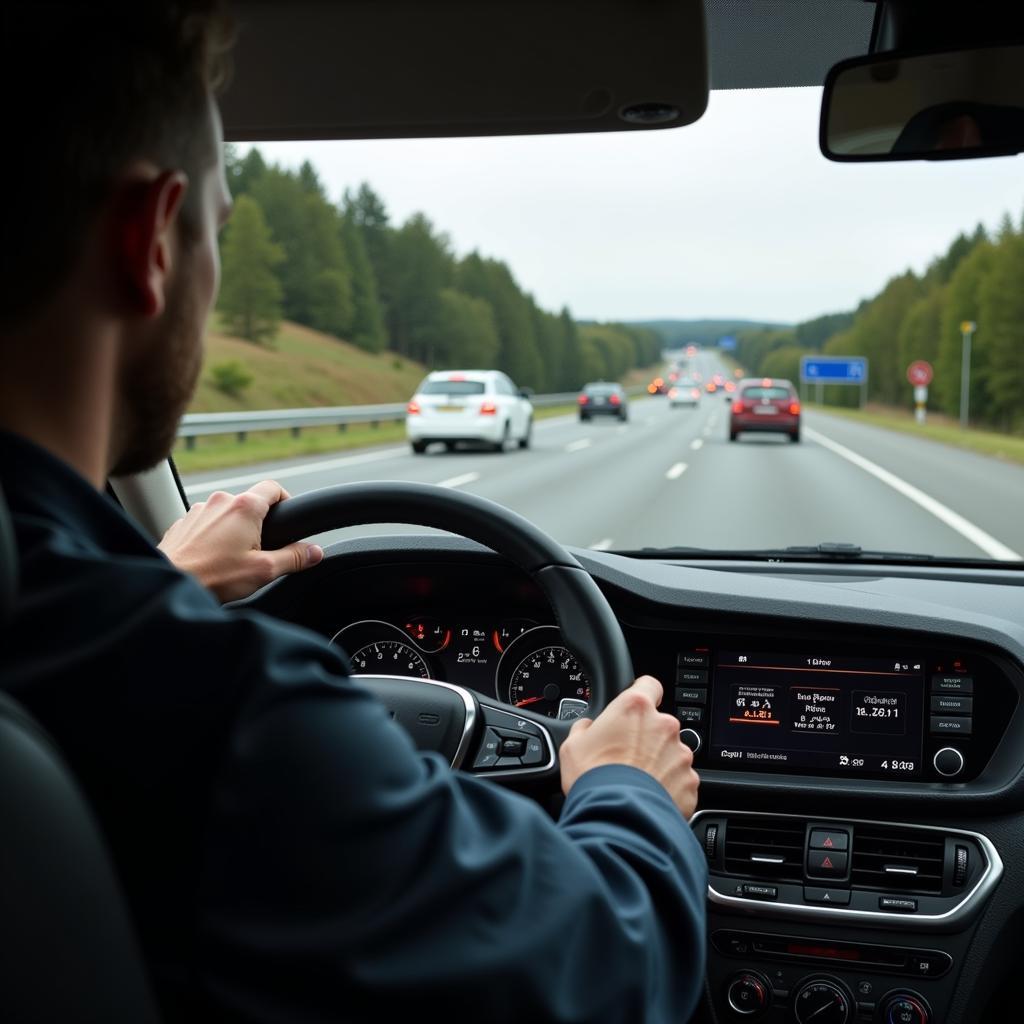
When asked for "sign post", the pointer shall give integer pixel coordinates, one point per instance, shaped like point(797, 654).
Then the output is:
point(822, 370)
point(967, 329)
point(920, 374)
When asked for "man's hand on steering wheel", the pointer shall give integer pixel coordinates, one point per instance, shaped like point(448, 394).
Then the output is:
point(219, 542)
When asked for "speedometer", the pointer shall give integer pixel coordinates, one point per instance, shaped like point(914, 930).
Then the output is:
point(389, 658)
point(538, 672)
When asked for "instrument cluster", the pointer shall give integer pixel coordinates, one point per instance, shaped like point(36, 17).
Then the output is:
point(517, 660)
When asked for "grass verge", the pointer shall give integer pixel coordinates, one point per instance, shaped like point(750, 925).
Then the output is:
point(1008, 447)
point(226, 452)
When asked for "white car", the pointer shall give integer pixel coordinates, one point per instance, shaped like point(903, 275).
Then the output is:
point(482, 406)
point(685, 391)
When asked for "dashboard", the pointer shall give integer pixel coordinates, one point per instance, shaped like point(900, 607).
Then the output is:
point(859, 736)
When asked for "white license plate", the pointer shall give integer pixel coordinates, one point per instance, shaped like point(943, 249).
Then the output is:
point(451, 408)
point(765, 410)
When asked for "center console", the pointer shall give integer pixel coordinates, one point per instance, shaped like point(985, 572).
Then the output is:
point(825, 916)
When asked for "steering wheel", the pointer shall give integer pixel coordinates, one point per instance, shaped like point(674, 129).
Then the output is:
point(474, 732)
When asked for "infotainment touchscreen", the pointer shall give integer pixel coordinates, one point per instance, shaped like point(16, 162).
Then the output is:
point(779, 712)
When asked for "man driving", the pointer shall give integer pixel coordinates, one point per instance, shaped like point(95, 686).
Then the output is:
point(286, 853)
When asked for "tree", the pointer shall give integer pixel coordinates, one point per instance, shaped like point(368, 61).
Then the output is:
point(367, 312)
point(1001, 334)
point(250, 293)
point(468, 335)
point(421, 265)
point(242, 173)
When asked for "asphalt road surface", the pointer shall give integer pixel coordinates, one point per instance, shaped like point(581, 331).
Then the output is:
point(671, 477)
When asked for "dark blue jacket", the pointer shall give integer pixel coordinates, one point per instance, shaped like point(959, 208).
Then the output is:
point(287, 854)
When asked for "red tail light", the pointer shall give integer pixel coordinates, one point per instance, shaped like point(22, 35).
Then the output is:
point(737, 406)
point(794, 408)
point(614, 399)
point(413, 408)
point(583, 399)
point(695, 393)
point(488, 409)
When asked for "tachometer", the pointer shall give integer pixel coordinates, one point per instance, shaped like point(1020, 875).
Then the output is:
point(538, 672)
point(380, 648)
point(389, 658)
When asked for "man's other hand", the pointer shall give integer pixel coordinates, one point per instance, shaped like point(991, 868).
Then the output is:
point(632, 731)
point(220, 543)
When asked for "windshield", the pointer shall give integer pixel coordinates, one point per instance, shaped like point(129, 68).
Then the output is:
point(890, 296)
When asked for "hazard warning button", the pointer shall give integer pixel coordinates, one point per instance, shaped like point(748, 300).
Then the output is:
point(829, 839)
point(826, 864)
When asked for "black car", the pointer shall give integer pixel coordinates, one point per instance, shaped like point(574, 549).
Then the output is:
point(603, 399)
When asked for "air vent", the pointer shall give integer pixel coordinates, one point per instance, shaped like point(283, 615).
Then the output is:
point(765, 848)
point(903, 860)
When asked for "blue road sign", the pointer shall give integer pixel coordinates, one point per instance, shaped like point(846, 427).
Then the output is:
point(727, 342)
point(834, 369)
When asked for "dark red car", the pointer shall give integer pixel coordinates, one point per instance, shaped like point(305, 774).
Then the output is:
point(768, 405)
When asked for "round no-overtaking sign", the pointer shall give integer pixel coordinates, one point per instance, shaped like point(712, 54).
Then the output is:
point(920, 373)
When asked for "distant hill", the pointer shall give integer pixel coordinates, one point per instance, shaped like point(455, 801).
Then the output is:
point(700, 332)
point(300, 368)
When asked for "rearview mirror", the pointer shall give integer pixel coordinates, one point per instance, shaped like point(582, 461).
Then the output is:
point(930, 106)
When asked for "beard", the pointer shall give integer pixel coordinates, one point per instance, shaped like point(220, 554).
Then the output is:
point(155, 389)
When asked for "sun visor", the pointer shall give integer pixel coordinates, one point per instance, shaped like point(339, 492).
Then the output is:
point(311, 69)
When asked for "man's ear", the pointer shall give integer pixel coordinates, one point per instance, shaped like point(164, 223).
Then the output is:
point(144, 239)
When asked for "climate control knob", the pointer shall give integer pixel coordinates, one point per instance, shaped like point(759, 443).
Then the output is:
point(748, 994)
point(822, 1001)
point(690, 738)
point(948, 762)
point(905, 1008)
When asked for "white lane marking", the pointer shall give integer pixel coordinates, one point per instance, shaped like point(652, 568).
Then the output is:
point(458, 481)
point(620, 428)
point(578, 446)
point(602, 545)
point(676, 471)
point(713, 422)
point(977, 536)
point(325, 466)
point(707, 431)
point(696, 444)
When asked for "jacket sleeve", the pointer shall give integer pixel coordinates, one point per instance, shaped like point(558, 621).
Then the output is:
point(349, 876)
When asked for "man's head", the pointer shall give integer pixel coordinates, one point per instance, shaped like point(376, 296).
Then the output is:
point(118, 194)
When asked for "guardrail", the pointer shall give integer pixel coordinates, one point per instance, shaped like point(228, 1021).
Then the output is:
point(200, 424)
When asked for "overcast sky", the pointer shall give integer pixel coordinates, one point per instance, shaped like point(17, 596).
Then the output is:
point(737, 215)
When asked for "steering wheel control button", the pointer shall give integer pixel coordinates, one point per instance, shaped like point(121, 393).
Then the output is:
point(827, 897)
point(535, 754)
point(950, 725)
point(690, 738)
point(691, 695)
point(826, 864)
point(747, 995)
point(760, 892)
point(513, 747)
point(905, 1010)
point(487, 757)
point(899, 904)
point(509, 762)
point(688, 715)
point(952, 684)
point(948, 762)
point(829, 839)
point(510, 722)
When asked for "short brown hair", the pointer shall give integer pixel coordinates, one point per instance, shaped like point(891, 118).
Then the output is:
point(96, 85)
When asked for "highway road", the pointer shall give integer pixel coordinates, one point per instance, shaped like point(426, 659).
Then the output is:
point(671, 477)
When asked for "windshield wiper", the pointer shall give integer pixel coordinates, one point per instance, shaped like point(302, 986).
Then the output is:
point(829, 551)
